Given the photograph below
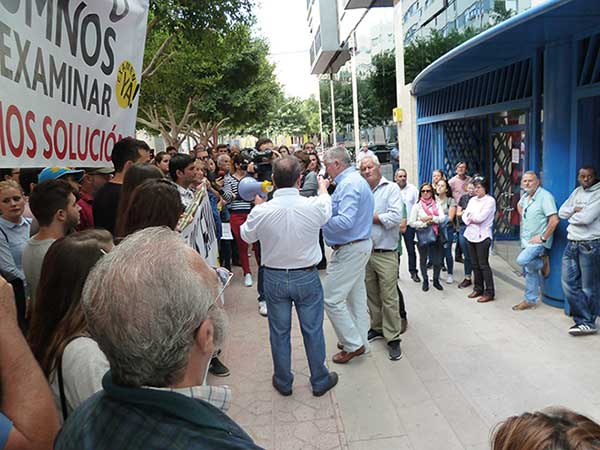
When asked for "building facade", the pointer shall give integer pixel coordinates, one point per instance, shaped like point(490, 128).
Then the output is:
point(524, 95)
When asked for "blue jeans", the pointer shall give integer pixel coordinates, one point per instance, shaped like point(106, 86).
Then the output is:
point(464, 246)
point(448, 248)
point(303, 289)
point(530, 259)
point(581, 280)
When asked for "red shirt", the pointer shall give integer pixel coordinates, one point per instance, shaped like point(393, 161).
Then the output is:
point(86, 216)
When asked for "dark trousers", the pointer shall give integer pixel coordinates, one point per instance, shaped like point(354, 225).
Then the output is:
point(409, 243)
point(225, 247)
point(323, 263)
point(483, 280)
point(434, 251)
point(402, 305)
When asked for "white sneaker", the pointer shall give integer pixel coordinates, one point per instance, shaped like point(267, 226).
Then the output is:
point(248, 280)
point(262, 308)
point(449, 280)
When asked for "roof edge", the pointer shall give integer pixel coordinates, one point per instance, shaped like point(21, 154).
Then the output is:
point(485, 36)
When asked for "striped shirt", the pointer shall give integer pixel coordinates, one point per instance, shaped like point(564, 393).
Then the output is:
point(232, 197)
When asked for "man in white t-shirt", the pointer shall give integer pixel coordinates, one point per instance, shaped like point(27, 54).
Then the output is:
point(410, 195)
point(364, 151)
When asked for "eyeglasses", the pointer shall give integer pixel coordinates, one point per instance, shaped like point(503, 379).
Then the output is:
point(424, 191)
point(204, 158)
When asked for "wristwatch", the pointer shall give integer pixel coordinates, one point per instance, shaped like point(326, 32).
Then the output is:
point(542, 238)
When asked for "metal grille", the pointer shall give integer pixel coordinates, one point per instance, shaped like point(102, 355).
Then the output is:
point(506, 181)
point(426, 152)
point(464, 141)
point(588, 60)
point(509, 83)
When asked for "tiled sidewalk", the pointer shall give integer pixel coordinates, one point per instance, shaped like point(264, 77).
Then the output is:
point(466, 366)
point(300, 421)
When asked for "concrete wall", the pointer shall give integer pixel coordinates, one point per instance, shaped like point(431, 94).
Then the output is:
point(407, 129)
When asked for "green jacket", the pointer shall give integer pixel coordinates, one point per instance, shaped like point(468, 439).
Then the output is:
point(135, 418)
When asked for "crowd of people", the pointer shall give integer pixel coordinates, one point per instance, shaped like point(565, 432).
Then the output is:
point(123, 320)
point(462, 207)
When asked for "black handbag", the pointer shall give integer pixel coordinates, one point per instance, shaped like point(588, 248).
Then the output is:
point(426, 236)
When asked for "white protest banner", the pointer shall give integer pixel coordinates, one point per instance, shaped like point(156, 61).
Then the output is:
point(69, 79)
point(197, 226)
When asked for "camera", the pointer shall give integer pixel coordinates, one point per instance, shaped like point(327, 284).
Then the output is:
point(262, 163)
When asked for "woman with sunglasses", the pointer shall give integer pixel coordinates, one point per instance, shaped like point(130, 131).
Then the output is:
point(479, 219)
point(445, 198)
point(59, 338)
point(424, 214)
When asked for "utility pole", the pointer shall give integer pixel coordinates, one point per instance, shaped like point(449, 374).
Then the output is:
point(332, 110)
point(320, 113)
point(355, 94)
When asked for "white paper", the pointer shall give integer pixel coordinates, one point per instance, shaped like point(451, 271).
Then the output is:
point(516, 155)
point(227, 232)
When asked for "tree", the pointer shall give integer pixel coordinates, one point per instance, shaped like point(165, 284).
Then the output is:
point(223, 78)
point(382, 84)
point(423, 51)
point(190, 20)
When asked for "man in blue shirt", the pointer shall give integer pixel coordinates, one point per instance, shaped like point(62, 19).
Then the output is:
point(539, 219)
point(348, 232)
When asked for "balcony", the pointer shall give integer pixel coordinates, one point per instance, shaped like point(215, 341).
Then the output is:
point(356, 4)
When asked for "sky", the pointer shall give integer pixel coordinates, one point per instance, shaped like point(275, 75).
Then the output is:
point(283, 24)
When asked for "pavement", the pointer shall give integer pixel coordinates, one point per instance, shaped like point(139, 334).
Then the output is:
point(466, 367)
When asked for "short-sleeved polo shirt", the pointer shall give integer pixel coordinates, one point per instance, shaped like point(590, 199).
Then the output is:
point(535, 215)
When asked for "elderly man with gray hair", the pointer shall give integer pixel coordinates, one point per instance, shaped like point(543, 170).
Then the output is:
point(348, 233)
point(382, 269)
point(151, 305)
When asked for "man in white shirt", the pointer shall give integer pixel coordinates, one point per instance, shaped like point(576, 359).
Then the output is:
point(410, 195)
point(288, 230)
point(382, 269)
point(364, 151)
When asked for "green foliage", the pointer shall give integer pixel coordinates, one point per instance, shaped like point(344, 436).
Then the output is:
point(382, 86)
point(423, 51)
point(213, 58)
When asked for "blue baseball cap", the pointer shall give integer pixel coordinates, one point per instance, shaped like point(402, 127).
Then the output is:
point(54, 173)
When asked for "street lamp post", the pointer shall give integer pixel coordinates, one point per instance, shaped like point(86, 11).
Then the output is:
point(332, 110)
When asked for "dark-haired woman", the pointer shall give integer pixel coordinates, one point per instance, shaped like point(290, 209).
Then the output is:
point(427, 213)
point(154, 203)
point(445, 199)
point(134, 177)
point(479, 218)
point(161, 161)
point(59, 338)
point(239, 209)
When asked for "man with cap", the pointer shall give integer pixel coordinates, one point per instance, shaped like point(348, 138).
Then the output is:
point(93, 180)
point(73, 176)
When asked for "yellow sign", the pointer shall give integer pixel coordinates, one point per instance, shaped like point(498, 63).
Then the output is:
point(127, 85)
point(397, 114)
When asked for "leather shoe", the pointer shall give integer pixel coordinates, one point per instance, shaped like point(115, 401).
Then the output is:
point(343, 357)
point(465, 283)
point(415, 277)
point(340, 346)
point(475, 294)
point(485, 299)
point(333, 380)
point(280, 390)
